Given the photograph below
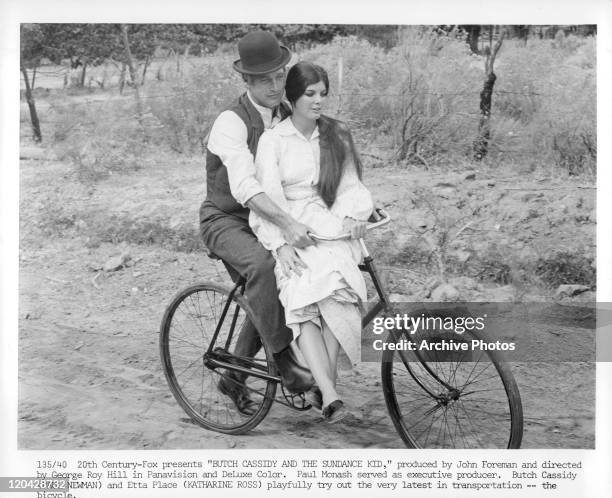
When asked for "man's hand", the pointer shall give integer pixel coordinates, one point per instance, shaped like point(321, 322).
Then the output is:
point(290, 261)
point(356, 228)
point(296, 234)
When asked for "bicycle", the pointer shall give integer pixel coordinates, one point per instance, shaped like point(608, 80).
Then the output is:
point(434, 400)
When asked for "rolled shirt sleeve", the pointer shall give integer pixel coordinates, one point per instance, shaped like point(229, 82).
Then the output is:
point(228, 140)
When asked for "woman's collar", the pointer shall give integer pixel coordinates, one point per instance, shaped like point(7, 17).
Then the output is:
point(286, 128)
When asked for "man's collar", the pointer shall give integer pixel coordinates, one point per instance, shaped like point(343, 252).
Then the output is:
point(264, 111)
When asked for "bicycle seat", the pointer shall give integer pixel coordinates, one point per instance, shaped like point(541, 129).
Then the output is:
point(234, 275)
point(212, 255)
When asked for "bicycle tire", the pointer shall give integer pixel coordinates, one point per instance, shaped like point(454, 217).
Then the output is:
point(494, 419)
point(186, 331)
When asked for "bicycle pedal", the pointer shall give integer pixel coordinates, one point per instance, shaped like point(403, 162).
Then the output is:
point(296, 401)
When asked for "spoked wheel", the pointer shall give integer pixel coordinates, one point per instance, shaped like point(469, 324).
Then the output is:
point(452, 399)
point(192, 367)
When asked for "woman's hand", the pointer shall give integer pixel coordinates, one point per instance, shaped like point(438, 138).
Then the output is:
point(290, 261)
point(356, 228)
point(375, 216)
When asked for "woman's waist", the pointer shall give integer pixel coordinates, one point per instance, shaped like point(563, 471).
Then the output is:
point(301, 192)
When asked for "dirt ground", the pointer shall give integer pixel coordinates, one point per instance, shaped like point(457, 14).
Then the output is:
point(89, 370)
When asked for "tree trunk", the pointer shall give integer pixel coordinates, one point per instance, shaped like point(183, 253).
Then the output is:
point(144, 70)
point(524, 33)
point(133, 76)
point(122, 78)
point(83, 72)
point(177, 59)
point(481, 144)
point(473, 37)
point(32, 106)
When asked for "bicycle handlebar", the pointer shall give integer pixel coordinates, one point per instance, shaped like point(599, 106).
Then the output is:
point(385, 219)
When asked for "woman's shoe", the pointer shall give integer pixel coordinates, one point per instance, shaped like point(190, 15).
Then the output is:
point(334, 412)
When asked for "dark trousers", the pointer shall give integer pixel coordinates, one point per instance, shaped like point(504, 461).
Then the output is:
point(231, 238)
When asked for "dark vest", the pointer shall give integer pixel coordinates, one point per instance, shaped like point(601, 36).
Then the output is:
point(217, 183)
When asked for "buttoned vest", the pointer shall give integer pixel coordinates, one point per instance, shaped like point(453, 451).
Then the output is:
point(217, 183)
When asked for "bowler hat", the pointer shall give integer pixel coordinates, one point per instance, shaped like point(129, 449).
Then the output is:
point(260, 53)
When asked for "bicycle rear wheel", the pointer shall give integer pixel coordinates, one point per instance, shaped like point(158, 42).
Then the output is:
point(187, 330)
point(457, 400)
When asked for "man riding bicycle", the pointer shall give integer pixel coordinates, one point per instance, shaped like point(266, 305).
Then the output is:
point(233, 190)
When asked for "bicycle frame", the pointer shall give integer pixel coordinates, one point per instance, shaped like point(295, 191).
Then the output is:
point(383, 304)
point(368, 266)
point(210, 358)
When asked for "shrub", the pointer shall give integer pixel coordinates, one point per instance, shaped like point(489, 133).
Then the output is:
point(416, 98)
point(186, 104)
point(566, 268)
point(417, 102)
point(544, 103)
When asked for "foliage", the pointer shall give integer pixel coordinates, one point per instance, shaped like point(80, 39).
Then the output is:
point(32, 48)
point(545, 102)
point(416, 102)
point(95, 43)
point(420, 94)
point(566, 268)
point(185, 106)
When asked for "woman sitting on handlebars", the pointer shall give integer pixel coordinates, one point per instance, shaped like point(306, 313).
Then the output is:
point(308, 165)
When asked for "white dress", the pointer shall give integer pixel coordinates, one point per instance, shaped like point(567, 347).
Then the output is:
point(287, 167)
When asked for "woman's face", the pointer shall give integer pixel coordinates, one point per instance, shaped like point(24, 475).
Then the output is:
point(310, 103)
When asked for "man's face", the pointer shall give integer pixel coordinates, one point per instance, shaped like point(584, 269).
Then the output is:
point(267, 90)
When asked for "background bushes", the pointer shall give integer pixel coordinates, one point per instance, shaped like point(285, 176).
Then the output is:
point(416, 102)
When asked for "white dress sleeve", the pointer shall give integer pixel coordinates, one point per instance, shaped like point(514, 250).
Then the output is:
point(268, 175)
point(353, 199)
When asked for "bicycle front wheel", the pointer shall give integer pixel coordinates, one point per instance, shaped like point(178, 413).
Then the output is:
point(187, 330)
point(458, 400)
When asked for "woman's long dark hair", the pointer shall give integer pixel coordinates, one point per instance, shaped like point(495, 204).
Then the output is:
point(334, 137)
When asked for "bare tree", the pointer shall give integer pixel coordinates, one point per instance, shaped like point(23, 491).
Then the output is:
point(481, 144)
point(31, 52)
point(31, 106)
point(131, 64)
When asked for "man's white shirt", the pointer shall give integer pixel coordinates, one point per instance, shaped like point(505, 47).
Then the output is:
point(228, 140)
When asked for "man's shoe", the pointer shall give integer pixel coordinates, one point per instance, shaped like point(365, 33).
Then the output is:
point(295, 378)
point(238, 393)
point(315, 398)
